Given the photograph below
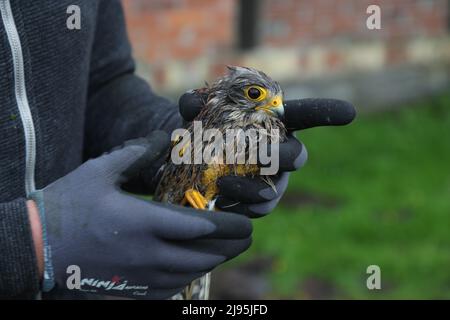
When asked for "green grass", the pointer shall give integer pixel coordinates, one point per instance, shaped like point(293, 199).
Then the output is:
point(390, 175)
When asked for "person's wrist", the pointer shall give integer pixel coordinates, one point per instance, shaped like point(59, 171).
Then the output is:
point(36, 230)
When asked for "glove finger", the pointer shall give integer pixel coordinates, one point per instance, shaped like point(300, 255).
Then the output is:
point(132, 156)
point(198, 255)
point(179, 223)
point(157, 143)
point(190, 104)
point(307, 113)
point(176, 258)
point(253, 211)
point(229, 248)
point(153, 294)
point(171, 280)
point(251, 189)
point(293, 154)
point(229, 225)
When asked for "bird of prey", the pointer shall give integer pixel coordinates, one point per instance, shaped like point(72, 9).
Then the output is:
point(244, 98)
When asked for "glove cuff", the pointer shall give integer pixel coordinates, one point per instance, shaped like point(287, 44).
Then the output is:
point(49, 279)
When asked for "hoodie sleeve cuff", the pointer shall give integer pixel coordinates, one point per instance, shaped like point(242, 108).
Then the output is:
point(18, 265)
point(48, 282)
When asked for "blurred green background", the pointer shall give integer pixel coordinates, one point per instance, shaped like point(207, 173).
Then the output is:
point(376, 192)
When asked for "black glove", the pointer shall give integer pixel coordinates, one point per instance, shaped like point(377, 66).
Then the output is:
point(252, 196)
point(124, 245)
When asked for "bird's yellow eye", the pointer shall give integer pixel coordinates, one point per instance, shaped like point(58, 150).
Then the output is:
point(255, 93)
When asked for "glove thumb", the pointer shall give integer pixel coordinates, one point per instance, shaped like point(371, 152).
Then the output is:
point(191, 103)
point(135, 155)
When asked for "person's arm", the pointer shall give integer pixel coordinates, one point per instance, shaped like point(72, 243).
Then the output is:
point(121, 105)
point(19, 275)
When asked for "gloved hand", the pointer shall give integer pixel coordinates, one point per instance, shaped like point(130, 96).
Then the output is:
point(124, 245)
point(252, 196)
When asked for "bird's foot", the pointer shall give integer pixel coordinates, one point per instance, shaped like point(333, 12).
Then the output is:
point(195, 199)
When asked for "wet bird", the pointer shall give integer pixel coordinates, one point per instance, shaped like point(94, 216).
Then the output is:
point(245, 99)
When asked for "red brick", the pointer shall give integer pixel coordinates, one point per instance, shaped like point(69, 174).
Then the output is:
point(334, 59)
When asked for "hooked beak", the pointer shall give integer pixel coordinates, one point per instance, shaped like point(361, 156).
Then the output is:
point(274, 106)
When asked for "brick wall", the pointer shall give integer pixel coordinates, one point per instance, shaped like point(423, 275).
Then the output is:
point(297, 22)
point(162, 30)
point(181, 43)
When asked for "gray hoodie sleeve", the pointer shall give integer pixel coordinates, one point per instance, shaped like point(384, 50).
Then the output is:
point(18, 267)
point(121, 106)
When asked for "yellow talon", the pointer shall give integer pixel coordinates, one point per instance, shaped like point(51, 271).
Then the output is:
point(195, 199)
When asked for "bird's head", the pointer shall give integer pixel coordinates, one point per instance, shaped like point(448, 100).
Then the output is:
point(246, 91)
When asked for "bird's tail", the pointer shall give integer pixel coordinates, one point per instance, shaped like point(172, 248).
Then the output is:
point(199, 288)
